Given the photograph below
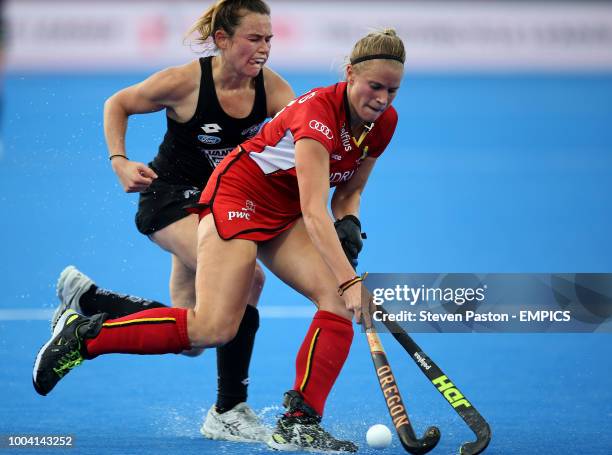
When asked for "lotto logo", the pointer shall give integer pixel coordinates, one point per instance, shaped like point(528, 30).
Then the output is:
point(211, 128)
point(322, 128)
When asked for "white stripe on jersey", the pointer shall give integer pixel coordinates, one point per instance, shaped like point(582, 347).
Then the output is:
point(278, 157)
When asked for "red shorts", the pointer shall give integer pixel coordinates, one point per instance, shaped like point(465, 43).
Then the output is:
point(246, 203)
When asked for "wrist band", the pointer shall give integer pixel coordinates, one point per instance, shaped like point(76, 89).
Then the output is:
point(117, 155)
point(347, 284)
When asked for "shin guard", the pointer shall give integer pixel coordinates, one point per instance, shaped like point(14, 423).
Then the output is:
point(321, 357)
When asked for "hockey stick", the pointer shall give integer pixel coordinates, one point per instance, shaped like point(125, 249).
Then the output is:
point(443, 384)
point(392, 396)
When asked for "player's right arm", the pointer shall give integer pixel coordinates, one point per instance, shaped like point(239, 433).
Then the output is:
point(168, 89)
point(312, 169)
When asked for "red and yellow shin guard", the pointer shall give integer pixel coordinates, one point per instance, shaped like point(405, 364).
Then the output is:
point(154, 331)
point(321, 357)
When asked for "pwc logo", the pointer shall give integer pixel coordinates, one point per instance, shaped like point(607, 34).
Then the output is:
point(238, 215)
point(322, 128)
point(242, 214)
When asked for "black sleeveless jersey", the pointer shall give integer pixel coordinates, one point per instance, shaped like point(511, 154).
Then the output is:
point(191, 150)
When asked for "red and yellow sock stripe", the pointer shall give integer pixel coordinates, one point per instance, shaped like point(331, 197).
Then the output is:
point(313, 343)
point(115, 323)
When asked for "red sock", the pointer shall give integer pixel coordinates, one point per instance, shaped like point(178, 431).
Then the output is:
point(154, 331)
point(321, 357)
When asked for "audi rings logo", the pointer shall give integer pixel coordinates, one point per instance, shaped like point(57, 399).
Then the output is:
point(322, 128)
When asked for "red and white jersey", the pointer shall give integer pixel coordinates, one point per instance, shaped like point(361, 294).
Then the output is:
point(253, 193)
point(320, 115)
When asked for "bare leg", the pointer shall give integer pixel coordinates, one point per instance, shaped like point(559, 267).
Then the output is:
point(180, 239)
point(224, 275)
point(294, 259)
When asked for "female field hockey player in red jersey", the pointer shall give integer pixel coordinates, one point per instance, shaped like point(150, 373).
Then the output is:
point(268, 199)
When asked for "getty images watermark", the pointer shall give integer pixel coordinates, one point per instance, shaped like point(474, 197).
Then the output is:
point(460, 302)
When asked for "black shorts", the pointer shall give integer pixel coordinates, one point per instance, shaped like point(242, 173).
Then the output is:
point(164, 203)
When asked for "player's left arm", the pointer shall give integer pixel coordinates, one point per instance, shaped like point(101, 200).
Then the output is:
point(345, 204)
point(278, 91)
point(347, 196)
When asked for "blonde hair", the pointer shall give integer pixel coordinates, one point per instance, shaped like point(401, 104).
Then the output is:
point(384, 43)
point(225, 15)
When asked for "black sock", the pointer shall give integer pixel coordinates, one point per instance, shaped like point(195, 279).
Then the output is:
point(97, 300)
point(233, 360)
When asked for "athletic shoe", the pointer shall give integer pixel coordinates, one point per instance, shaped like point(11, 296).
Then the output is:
point(71, 285)
point(300, 429)
point(238, 424)
point(65, 350)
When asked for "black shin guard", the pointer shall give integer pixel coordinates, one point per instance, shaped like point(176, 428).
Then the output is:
point(233, 360)
point(97, 300)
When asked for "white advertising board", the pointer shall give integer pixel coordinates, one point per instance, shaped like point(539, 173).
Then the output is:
point(439, 36)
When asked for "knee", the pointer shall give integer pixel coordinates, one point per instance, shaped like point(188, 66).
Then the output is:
point(212, 334)
point(335, 305)
point(259, 278)
point(193, 352)
point(223, 335)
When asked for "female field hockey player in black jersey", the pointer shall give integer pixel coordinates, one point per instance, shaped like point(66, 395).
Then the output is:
point(212, 104)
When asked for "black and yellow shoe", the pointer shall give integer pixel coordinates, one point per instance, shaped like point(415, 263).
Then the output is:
point(65, 350)
point(300, 429)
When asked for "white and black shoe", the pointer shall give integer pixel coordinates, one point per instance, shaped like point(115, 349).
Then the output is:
point(300, 429)
point(65, 349)
point(71, 285)
point(239, 424)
